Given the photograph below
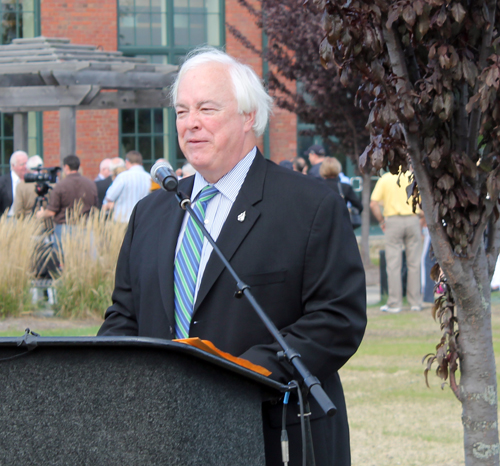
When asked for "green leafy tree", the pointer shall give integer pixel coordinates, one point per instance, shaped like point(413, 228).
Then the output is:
point(432, 74)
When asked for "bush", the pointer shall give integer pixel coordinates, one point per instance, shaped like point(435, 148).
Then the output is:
point(90, 249)
point(18, 243)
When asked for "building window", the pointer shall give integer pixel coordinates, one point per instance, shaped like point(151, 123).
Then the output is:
point(6, 139)
point(145, 130)
point(162, 31)
point(19, 18)
point(169, 23)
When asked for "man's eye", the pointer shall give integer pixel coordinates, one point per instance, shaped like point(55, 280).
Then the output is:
point(181, 112)
point(207, 109)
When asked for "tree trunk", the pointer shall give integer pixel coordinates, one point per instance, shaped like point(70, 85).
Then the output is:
point(365, 220)
point(470, 284)
point(478, 383)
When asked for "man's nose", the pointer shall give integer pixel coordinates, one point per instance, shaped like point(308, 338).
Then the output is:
point(193, 119)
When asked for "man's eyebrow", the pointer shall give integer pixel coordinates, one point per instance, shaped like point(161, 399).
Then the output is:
point(199, 104)
point(208, 102)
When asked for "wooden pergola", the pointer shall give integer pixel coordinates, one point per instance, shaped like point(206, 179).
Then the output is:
point(47, 74)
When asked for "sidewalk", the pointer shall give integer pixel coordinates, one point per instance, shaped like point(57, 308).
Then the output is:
point(372, 285)
point(372, 294)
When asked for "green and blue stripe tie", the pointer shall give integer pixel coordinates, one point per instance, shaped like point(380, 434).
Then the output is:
point(187, 264)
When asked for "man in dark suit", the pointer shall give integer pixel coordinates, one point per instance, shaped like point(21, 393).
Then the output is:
point(103, 184)
point(288, 236)
point(9, 182)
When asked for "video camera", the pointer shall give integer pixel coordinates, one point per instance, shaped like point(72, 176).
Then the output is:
point(42, 177)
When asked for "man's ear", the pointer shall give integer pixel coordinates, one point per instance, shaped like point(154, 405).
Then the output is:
point(249, 120)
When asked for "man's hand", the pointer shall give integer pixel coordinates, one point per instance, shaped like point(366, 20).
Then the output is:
point(44, 213)
point(108, 206)
point(377, 212)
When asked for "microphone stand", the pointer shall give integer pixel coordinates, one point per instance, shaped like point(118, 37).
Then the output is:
point(311, 383)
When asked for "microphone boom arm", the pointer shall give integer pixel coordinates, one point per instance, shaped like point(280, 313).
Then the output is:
point(311, 382)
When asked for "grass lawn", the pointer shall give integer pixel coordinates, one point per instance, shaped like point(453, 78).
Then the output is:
point(56, 332)
point(394, 418)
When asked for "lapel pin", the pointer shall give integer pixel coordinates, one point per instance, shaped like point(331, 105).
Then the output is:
point(242, 216)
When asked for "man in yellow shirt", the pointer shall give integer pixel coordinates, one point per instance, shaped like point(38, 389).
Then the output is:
point(402, 230)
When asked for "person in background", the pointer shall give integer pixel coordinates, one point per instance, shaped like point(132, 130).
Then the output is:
point(128, 188)
point(9, 182)
point(402, 231)
point(286, 164)
point(104, 170)
point(26, 196)
point(300, 165)
point(73, 190)
point(330, 170)
point(103, 185)
point(316, 154)
point(187, 170)
point(287, 234)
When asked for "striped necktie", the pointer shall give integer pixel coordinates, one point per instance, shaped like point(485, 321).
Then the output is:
point(187, 264)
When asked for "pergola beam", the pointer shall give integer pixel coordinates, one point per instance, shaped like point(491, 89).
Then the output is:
point(43, 96)
point(51, 74)
point(150, 98)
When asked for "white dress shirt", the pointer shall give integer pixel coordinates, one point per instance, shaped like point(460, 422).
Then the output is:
point(218, 207)
point(15, 181)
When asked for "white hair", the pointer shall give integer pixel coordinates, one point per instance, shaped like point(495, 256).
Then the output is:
point(247, 86)
point(115, 163)
point(14, 157)
point(34, 162)
point(104, 164)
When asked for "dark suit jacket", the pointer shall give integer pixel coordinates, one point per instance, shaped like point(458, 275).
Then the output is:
point(6, 199)
point(102, 187)
point(347, 191)
point(296, 250)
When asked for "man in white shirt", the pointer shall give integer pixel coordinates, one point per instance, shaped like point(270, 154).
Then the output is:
point(128, 188)
point(9, 182)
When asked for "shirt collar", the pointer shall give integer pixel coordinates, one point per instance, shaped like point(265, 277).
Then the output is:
point(14, 176)
point(229, 185)
point(136, 167)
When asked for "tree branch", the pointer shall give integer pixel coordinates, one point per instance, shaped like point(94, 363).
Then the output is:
point(475, 116)
point(441, 243)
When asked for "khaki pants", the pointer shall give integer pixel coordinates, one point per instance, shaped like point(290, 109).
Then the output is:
point(403, 231)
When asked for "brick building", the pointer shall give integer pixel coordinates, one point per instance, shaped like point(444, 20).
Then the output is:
point(161, 31)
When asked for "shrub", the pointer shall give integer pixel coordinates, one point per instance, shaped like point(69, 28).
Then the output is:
point(18, 243)
point(90, 250)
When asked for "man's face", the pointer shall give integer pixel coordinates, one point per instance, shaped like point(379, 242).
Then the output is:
point(212, 134)
point(19, 167)
point(313, 158)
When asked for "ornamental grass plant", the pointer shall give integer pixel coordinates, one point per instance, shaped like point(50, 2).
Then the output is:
point(18, 245)
point(90, 248)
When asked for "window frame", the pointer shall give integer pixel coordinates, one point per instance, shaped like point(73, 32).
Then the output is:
point(174, 55)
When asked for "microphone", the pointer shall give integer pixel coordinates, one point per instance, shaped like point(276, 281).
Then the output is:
point(163, 173)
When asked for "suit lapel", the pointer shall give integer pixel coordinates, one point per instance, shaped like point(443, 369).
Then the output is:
point(234, 231)
point(170, 225)
point(10, 199)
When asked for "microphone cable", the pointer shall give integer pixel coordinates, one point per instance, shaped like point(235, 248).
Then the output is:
point(285, 452)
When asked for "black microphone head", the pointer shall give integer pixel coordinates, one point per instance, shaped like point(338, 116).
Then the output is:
point(159, 164)
point(163, 173)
